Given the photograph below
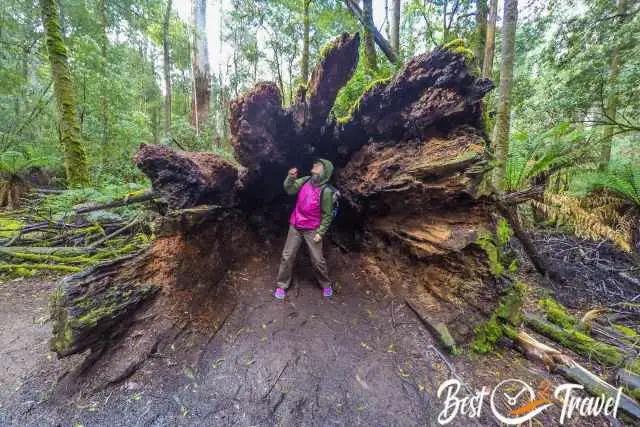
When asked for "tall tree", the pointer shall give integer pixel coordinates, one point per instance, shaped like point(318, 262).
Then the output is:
point(369, 44)
point(104, 104)
point(490, 39)
point(612, 100)
point(501, 129)
point(395, 25)
point(201, 73)
point(304, 63)
point(75, 160)
point(167, 70)
point(481, 31)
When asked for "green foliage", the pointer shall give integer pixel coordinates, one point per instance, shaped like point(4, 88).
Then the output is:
point(557, 313)
point(62, 203)
point(458, 46)
point(559, 148)
point(362, 81)
point(507, 314)
point(501, 257)
point(622, 179)
point(16, 162)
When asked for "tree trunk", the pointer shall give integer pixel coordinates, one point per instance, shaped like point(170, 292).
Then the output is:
point(104, 104)
point(481, 31)
point(304, 63)
point(410, 165)
point(369, 45)
point(75, 161)
point(490, 42)
point(200, 65)
point(167, 70)
point(395, 25)
point(612, 101)
point(501, 129)
point(382, 43)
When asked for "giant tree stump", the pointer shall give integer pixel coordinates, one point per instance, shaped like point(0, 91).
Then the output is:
point(410, 164)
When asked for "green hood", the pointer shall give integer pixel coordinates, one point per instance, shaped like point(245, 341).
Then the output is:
point(328, 171)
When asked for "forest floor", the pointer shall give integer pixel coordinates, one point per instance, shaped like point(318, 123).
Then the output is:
point(362, 358)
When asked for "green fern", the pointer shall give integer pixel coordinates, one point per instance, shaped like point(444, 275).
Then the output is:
point(622, 180)
point(557, 149)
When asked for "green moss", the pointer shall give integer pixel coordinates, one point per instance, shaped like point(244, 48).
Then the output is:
point(507, 314)
point(52, 267)
point(486, 241)
point(91, 317)
point(584, 344)
point(62, 340)
point(557, 313)
point(41, 258)
point(356, 105)
point(10, 227)
point(62, 333)
point(501, 258)
point(510, 308)
point(458, 46)
point(75, 160)
point(331, 44)
point(487, 334)
point(625, 330)
point(634, 392)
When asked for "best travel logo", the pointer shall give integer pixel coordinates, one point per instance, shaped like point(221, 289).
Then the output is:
point(514, 402)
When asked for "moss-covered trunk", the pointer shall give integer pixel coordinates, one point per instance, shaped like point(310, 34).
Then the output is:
point(501, 130)
point(369, 45)
point(75, 160)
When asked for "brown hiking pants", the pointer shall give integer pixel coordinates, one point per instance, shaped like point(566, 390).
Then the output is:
point(294, 240)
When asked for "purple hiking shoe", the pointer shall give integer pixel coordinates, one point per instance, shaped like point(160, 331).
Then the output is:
point(327, 292)
point(280, 294)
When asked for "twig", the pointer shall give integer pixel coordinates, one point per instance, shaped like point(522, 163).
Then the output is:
point(147, 195)
point(276, 381)
point(115, 233)
point(452, 370)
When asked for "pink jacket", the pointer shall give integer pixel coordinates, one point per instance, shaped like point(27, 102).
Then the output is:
point(308, 210)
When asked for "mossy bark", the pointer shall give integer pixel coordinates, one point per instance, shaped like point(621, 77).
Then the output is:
point(369, 45)
point(490, 40)
point(104, 103)
point(501, 130)
point(304, 62)
point(75, 160)
point(584, 344)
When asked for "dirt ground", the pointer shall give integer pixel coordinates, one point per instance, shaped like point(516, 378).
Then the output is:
point(348, 361)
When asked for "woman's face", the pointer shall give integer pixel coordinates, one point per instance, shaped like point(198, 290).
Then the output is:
point(317, 169)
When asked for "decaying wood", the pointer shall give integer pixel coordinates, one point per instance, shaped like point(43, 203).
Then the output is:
point(184, 179)
point(146, 196)
point(91, 306)
point(439, 329)
point(584, 345)
point(539, 262)
point(410, 161)
point(570, 369)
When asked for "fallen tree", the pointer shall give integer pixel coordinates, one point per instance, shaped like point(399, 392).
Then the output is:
point(410, 160)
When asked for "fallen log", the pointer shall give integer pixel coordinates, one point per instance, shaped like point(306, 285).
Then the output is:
point(567, 367)
point(584, 344)
point(439, 329)
point(48, 250)
point(145, 197)
point(410, 160)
